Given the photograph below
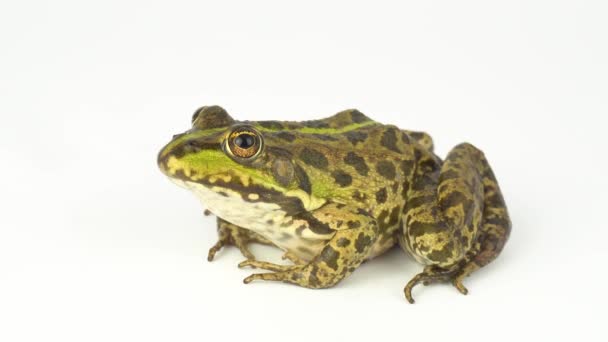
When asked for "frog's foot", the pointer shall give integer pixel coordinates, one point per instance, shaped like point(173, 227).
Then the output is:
point(227, 241)
point(280, 272)
point(433, 274)
point(232, 235)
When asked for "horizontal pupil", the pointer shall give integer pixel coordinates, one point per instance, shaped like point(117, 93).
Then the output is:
point(244, 141)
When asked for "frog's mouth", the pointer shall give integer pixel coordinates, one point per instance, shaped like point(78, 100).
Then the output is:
point(211, 172)
point(229, 185)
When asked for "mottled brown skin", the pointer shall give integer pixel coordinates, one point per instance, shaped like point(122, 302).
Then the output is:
point(333, 193)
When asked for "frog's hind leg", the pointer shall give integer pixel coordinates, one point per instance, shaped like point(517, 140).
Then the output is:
point(456, 220)
point(494, 232)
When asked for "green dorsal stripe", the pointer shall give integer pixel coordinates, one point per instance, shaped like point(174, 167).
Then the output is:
point(321, 130)
point(312, 130)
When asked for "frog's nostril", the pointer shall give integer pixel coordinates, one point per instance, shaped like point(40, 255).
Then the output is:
point(191, 145)
point(175, 136)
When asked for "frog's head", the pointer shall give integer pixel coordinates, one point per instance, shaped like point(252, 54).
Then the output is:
point(231, 164)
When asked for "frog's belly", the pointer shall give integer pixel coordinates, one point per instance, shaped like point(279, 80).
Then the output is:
point(266, 219)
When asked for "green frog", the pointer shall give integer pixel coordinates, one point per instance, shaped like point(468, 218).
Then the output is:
point(336, 192)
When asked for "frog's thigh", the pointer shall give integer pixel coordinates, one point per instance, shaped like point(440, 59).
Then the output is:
point(355, 233)
point(461, 225)
point(445, 209)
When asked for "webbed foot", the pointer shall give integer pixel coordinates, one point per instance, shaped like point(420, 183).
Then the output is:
point(433, 274)
point(279, 272)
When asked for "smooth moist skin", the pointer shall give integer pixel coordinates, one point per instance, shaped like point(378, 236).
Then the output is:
point(333, 193)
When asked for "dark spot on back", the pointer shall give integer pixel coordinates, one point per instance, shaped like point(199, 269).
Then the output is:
point(358, 117)
point(355, 137)
point(325, 137)
point(407, 166)
point(316, 124)
point(271, 124)
point(386, 169)
point(428, 165)
point(286, 136)
point(381, 196)
point(382, 218)
point(342, 178)
point(358, 196)
point(314, 158)
point(389, 140)
point(357, 162)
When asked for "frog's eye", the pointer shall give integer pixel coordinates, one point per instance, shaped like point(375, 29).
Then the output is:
point(244, 142)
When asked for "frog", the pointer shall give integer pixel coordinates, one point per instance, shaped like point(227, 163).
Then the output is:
point(334, 193)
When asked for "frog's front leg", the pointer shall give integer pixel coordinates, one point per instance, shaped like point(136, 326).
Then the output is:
point(354, 232)
point(230, 234)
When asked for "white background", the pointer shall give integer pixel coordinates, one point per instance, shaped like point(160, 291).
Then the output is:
point(96, 245)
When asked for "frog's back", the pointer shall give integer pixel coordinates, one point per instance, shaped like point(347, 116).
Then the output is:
point(353, 160)
point(350, 125)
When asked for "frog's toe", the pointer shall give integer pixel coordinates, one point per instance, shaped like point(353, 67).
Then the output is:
point(213, 250)
point(286, 273)
point(432, 274)
point(410, 285)
point(245, 251)
point(265, 265)
point(241, 245)
point(457, 282)
point(277, 276)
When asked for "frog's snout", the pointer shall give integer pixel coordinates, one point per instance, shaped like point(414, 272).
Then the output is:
point(177, 148)
point(161, 159)
point(167, 151)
